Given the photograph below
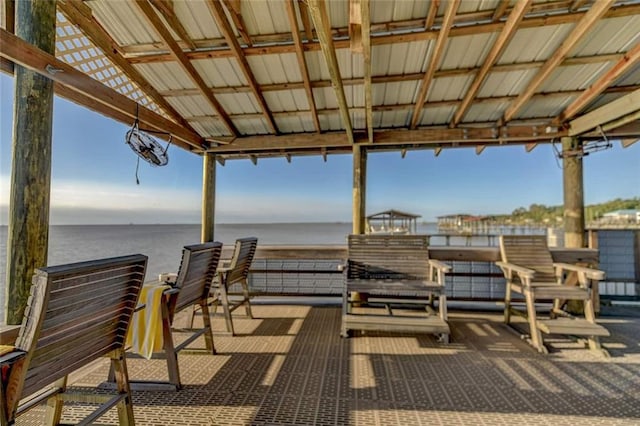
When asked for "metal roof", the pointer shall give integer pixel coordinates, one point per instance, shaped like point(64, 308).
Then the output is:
point(233, 79)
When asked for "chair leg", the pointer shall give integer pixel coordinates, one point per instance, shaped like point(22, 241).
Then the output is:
point(169, 349)
point(125, 407)
point(224, 299)
point(536, 335)
point(208, 334)
point(247, 302)
point(53, 411)
point(507, 303)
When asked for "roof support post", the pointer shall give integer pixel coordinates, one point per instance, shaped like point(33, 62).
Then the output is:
point(28, 233)
point(573, 193)
point(359, 188)
point(208, 197)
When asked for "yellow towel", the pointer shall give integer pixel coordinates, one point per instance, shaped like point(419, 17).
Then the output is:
point(145, 332)
point(5, 349)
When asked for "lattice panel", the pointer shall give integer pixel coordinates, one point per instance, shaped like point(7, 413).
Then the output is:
point(77, 50)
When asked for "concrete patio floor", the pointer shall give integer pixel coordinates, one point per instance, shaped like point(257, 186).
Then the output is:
point(289, 366)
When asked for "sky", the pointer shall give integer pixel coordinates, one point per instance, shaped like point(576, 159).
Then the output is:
point(93, 179)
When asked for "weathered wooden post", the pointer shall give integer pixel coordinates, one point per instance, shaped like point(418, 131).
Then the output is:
point(573, 193)
point(208, 197)
point(28, 233)
point(359, 188)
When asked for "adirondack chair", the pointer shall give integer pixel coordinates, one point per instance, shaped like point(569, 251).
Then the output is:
point(189, 287)
point(529, 270)
point(75, 314)
point(235, 272)
point(394, 268)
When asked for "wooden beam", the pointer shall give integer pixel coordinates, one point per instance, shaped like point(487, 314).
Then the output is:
point(81, 15)
point(218, 13)
point(273, 44)
point(577, 4)
point(359, 189)
point(233, 6)
point(26, 55)
point(414, 138)
point(434, 61)
point(626, 143)
point(501, 9)
point(503, 40)
point(165, 7)
point(625, 64)
point(179, 56)
point(431, 14)
point(479, 149)
point(597, 11)
point(366, 54)
point(318, 11)
point(614, 110)
point(30, 182)
point(304, 72)
point(306, 21)
point(437, 151)
point(530, 146)
point(208, 209)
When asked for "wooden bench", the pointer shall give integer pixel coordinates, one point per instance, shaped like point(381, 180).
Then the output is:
point(395, 270)
point(75, 314)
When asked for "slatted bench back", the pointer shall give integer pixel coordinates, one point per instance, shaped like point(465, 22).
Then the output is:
point(196, 273)
point(404, 257)
point(77, 313)
point(243, 254)
point(529, 251)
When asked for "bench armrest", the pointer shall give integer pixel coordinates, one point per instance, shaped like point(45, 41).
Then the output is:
point(525, 274)
point(168, 278)
point(584, 274)
point(439, 265)
point(12, 357)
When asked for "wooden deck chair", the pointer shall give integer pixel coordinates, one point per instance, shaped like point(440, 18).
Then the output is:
point(191, 286)
point(529, 270)
point(235, 272)
point(75, 314)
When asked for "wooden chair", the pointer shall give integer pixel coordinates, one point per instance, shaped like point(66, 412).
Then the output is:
point(190, 287)
point(75, 314)
point(235, 272)
point(529, 270)
point(395, 269)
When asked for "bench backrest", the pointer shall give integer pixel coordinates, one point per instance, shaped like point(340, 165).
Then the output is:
point(75, 314)
point(243, 254)
point(529, 251)
point(196, 273)
point(388, 257)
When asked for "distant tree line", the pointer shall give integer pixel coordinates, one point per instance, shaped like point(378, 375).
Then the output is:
point(541, 214)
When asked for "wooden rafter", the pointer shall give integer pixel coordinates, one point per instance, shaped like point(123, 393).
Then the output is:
point(626, 63)
point(281, 43)
point(621, 111)
point(91, 92)
point(165, 7)
point(501, 9)
point(318, 11)
point(366, 53)
point(577, 4)
point(505, 36)
point(177, 53)
point(82, 16)
point(293, 20)
point(585, 24)
point(306, 21)
point(218, 13)
point(434, 61)
point(233, 6)
point(431, 14)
